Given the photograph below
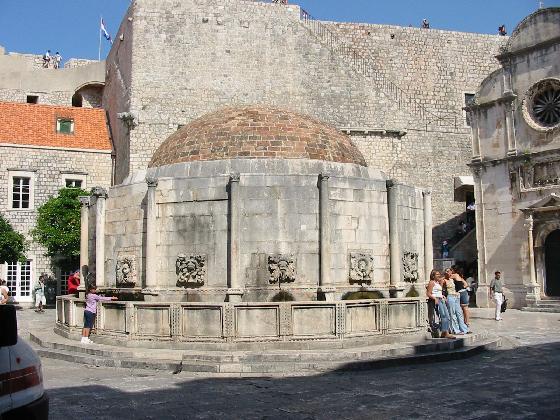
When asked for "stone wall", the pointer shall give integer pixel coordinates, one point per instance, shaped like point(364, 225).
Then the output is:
point(48, 166)
point(172, 68)
point(22, 75)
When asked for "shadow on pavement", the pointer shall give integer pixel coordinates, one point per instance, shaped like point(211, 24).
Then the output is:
point(519, 383)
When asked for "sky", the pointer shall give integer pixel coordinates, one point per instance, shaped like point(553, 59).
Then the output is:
point(72, 26)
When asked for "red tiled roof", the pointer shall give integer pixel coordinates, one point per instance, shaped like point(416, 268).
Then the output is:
point(35, 125)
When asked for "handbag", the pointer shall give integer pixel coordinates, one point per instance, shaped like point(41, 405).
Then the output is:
point(504, 305)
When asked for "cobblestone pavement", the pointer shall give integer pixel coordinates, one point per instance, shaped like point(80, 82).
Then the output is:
point(521, 381)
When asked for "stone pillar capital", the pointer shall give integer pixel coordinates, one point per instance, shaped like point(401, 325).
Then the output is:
point(152, 181)
point(85, 200)
point(99, 192)
point(324, 177)
point(234, 177)
point(427, 192)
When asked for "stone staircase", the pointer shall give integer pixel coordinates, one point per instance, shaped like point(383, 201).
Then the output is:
point(365, 65)
point(277, 362)
point(551, 305)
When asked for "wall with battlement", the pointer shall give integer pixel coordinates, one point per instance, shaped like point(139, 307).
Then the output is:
point(173, 67)
point(23, 74)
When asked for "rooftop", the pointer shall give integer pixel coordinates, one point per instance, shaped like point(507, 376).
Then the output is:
point(53, 126)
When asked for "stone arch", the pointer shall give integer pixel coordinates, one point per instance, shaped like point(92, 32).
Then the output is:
point(552, 266)
point(541, 233)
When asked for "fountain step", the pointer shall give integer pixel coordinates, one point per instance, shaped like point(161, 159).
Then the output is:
point(244, 362)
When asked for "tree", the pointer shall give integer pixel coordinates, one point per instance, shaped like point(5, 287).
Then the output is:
point(12, 243)
point(58, 225)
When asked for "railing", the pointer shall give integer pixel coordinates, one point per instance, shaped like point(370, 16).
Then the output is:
point(366, 66)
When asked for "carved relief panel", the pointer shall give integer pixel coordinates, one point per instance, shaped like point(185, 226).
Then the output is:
point(126, 271)
point(410, 267)
point(282, 269)
point(191, 270)
point(361, 268)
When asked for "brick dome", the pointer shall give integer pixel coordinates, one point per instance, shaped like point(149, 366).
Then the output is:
point(256, 132)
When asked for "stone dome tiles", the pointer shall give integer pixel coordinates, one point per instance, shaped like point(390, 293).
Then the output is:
point(256, 132)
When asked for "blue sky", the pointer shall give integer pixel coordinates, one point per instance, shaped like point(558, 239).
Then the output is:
point(72, 26)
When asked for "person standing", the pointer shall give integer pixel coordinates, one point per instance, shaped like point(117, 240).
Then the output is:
point(91, 311)
point(39, 289)
point(436, 304)
point(74, 283)
point(57, 60)
point(445, 249)
point(458, 325)
point(4, 292)
point(47, 59)
point(497, 294)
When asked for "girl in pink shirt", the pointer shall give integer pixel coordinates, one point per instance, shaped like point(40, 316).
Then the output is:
point(91, 311)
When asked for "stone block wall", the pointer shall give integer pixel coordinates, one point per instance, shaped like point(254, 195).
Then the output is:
point(172, 68)
point(48, 167)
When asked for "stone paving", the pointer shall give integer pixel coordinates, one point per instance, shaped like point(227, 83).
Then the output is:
point(522, 380)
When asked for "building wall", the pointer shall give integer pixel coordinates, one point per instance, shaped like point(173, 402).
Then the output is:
point(511, 169)
point(173, 67)
point(23, 74)
point(48, 166)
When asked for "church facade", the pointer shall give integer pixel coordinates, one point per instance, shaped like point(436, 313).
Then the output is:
point(516, 163)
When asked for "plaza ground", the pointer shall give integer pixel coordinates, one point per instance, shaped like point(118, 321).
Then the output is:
point(521, 380)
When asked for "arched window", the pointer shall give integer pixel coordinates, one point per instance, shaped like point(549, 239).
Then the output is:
point(77, 100)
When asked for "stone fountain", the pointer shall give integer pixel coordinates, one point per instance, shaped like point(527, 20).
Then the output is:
point(252, 226)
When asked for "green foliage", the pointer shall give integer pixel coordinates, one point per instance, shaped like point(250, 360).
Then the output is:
point(58, 224)
point(363, 295)
point(12, 243)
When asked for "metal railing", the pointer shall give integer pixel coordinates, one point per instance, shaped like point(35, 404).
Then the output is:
point(365, 65)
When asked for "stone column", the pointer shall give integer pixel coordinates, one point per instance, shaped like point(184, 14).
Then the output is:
point(101, 195)
point(325, 284)
point(482, 292)
point(394, 241)
point(151, 232)
point(84, 242)
point(428, 244)
point(510, 129)
point(475, 135)
point(533, 292)
point(235, 288)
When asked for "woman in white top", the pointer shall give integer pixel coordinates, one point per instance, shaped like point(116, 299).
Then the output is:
point(435, 294)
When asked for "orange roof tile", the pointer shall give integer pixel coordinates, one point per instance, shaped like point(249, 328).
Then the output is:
point(35, 125)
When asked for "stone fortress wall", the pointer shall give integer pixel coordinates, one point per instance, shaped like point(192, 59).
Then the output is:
point(172, 67)
point(23, 74)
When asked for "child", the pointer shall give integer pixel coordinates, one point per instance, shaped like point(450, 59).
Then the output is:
point(91, 311)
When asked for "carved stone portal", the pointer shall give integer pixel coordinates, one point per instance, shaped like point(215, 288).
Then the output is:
point(361, 268)
point(410, 267)
point(191, 270)
point(282, 269)
point(126, 271)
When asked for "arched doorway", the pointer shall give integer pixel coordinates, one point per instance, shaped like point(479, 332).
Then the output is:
point(552, 261)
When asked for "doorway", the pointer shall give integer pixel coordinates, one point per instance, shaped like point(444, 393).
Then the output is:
point(19, 281)
point(552, 261)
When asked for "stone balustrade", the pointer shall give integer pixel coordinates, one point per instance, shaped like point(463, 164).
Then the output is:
point(176, 323)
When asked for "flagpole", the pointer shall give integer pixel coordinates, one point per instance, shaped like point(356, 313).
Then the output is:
point(99, 55)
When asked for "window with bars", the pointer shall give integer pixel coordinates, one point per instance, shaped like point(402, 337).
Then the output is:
point(63, 282)
point(21, 192)
point(65, 125)
point(73, 183)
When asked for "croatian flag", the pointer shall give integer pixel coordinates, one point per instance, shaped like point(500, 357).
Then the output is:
point(105, 33)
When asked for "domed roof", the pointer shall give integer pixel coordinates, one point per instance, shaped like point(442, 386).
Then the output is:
point(256, 132)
